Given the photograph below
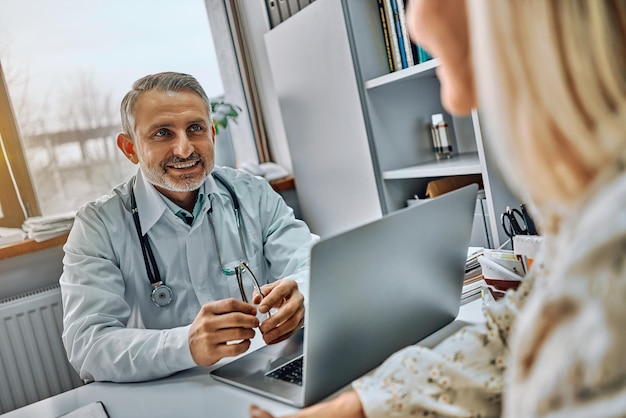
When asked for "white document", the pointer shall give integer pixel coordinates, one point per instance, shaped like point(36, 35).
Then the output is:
point(91, 410)
point(10, 235)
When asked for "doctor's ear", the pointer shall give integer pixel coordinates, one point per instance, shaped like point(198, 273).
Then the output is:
point(127, 146)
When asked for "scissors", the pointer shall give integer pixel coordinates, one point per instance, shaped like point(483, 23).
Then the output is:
point(513, 223)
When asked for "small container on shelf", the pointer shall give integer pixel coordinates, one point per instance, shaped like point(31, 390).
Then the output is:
point(441, 142)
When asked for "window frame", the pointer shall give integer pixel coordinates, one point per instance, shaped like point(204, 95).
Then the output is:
point(18, 198)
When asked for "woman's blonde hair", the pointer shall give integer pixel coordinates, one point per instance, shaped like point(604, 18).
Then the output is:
point(551, 77)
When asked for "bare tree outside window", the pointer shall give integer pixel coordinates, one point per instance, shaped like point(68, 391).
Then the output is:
point(68, 64)
point(79, 160)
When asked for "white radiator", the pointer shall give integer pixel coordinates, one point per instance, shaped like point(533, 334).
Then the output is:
point(33, 364)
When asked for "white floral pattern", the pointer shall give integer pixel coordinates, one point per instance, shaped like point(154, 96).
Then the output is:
point(565, 326)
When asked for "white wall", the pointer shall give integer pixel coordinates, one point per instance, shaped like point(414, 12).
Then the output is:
point(29, 272)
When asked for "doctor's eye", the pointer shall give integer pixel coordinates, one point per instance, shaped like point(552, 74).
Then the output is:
point(196, 127)
point(160, 133)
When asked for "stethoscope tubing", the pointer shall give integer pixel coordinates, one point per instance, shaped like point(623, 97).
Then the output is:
point(161, 294)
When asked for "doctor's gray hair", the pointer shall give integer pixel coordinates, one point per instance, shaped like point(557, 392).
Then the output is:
point(165, 81)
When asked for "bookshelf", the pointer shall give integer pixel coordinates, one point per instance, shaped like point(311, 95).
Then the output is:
point(425, 69)
point(280, 10)
point(462, 164)
point(359, 135)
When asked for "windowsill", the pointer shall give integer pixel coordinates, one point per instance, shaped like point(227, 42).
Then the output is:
point(30, 246)
point(285, 183)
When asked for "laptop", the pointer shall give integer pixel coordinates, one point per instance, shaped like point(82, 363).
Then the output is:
point(373, 290)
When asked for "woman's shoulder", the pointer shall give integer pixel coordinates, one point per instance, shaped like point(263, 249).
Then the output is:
point(567, 342)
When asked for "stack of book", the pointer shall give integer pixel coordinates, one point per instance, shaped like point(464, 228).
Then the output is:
point(401, 52)
point(473, 281)
point(502, 270)
point(41, 228)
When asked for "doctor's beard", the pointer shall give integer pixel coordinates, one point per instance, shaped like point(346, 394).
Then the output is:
point(161, 176)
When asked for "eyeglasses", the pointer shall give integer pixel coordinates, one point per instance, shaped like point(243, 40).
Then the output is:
point(240, 269)
point(242, 272)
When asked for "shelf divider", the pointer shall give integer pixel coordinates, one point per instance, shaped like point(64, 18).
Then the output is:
point(425, 69)
point(461, 164)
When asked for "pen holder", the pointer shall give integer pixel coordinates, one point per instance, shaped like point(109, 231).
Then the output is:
point(441, 142)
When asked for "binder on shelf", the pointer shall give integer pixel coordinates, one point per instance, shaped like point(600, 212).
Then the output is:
point(294, 7)
point(273, 12)
point(405, 33)
point(283, 8)
point(304, 3)
point(399, 34)
point(393, 36)
point(384, 24)
point(422, 55)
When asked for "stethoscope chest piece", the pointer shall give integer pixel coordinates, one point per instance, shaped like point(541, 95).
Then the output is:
point(162, 295)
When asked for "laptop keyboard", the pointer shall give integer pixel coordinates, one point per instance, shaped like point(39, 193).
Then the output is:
point(290, 372)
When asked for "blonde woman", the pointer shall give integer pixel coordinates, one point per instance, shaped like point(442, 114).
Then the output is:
point(550, 76)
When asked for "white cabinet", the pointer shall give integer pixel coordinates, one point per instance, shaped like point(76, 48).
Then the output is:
point(359, 136)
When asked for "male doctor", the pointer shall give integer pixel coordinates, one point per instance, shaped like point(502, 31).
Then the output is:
point(174, 268)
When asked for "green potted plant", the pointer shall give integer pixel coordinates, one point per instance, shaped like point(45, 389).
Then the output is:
point(222, 112)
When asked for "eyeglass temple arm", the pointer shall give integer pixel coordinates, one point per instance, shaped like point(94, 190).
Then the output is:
point(255, 284)
point(238, 273)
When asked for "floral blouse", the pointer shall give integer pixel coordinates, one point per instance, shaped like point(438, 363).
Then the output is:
point(555, 347)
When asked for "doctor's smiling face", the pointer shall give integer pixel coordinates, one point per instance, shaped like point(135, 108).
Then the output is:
point(173, 141)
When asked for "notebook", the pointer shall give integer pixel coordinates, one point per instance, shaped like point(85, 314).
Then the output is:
point(373, 290)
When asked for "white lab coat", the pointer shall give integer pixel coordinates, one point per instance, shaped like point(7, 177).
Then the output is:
point(112, 329)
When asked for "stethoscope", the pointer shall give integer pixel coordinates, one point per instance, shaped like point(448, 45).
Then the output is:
point(161, 294)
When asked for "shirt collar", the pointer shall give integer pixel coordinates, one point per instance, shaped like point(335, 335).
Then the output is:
point(215, 188)
point(152, 205)
point(197, 208)
point(149, 203)
point(211, 186)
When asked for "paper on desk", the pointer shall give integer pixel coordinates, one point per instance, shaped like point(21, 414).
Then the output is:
point(10, 235)
point(507, 259)
point(500, 274)
point(91, 410)
point(493, 270)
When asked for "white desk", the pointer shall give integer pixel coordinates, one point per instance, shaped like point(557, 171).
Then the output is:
point(192, 393)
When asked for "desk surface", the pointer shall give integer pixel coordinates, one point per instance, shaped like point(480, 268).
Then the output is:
point(193, 391)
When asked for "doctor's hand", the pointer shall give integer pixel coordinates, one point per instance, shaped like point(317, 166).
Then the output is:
point(215, 328)
point(284, 296)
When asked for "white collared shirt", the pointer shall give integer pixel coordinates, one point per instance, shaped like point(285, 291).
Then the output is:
point(112, 329)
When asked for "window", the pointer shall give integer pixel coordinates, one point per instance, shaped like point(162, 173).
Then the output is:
point(12, 209)
point(8, 199)
point(66, 66)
